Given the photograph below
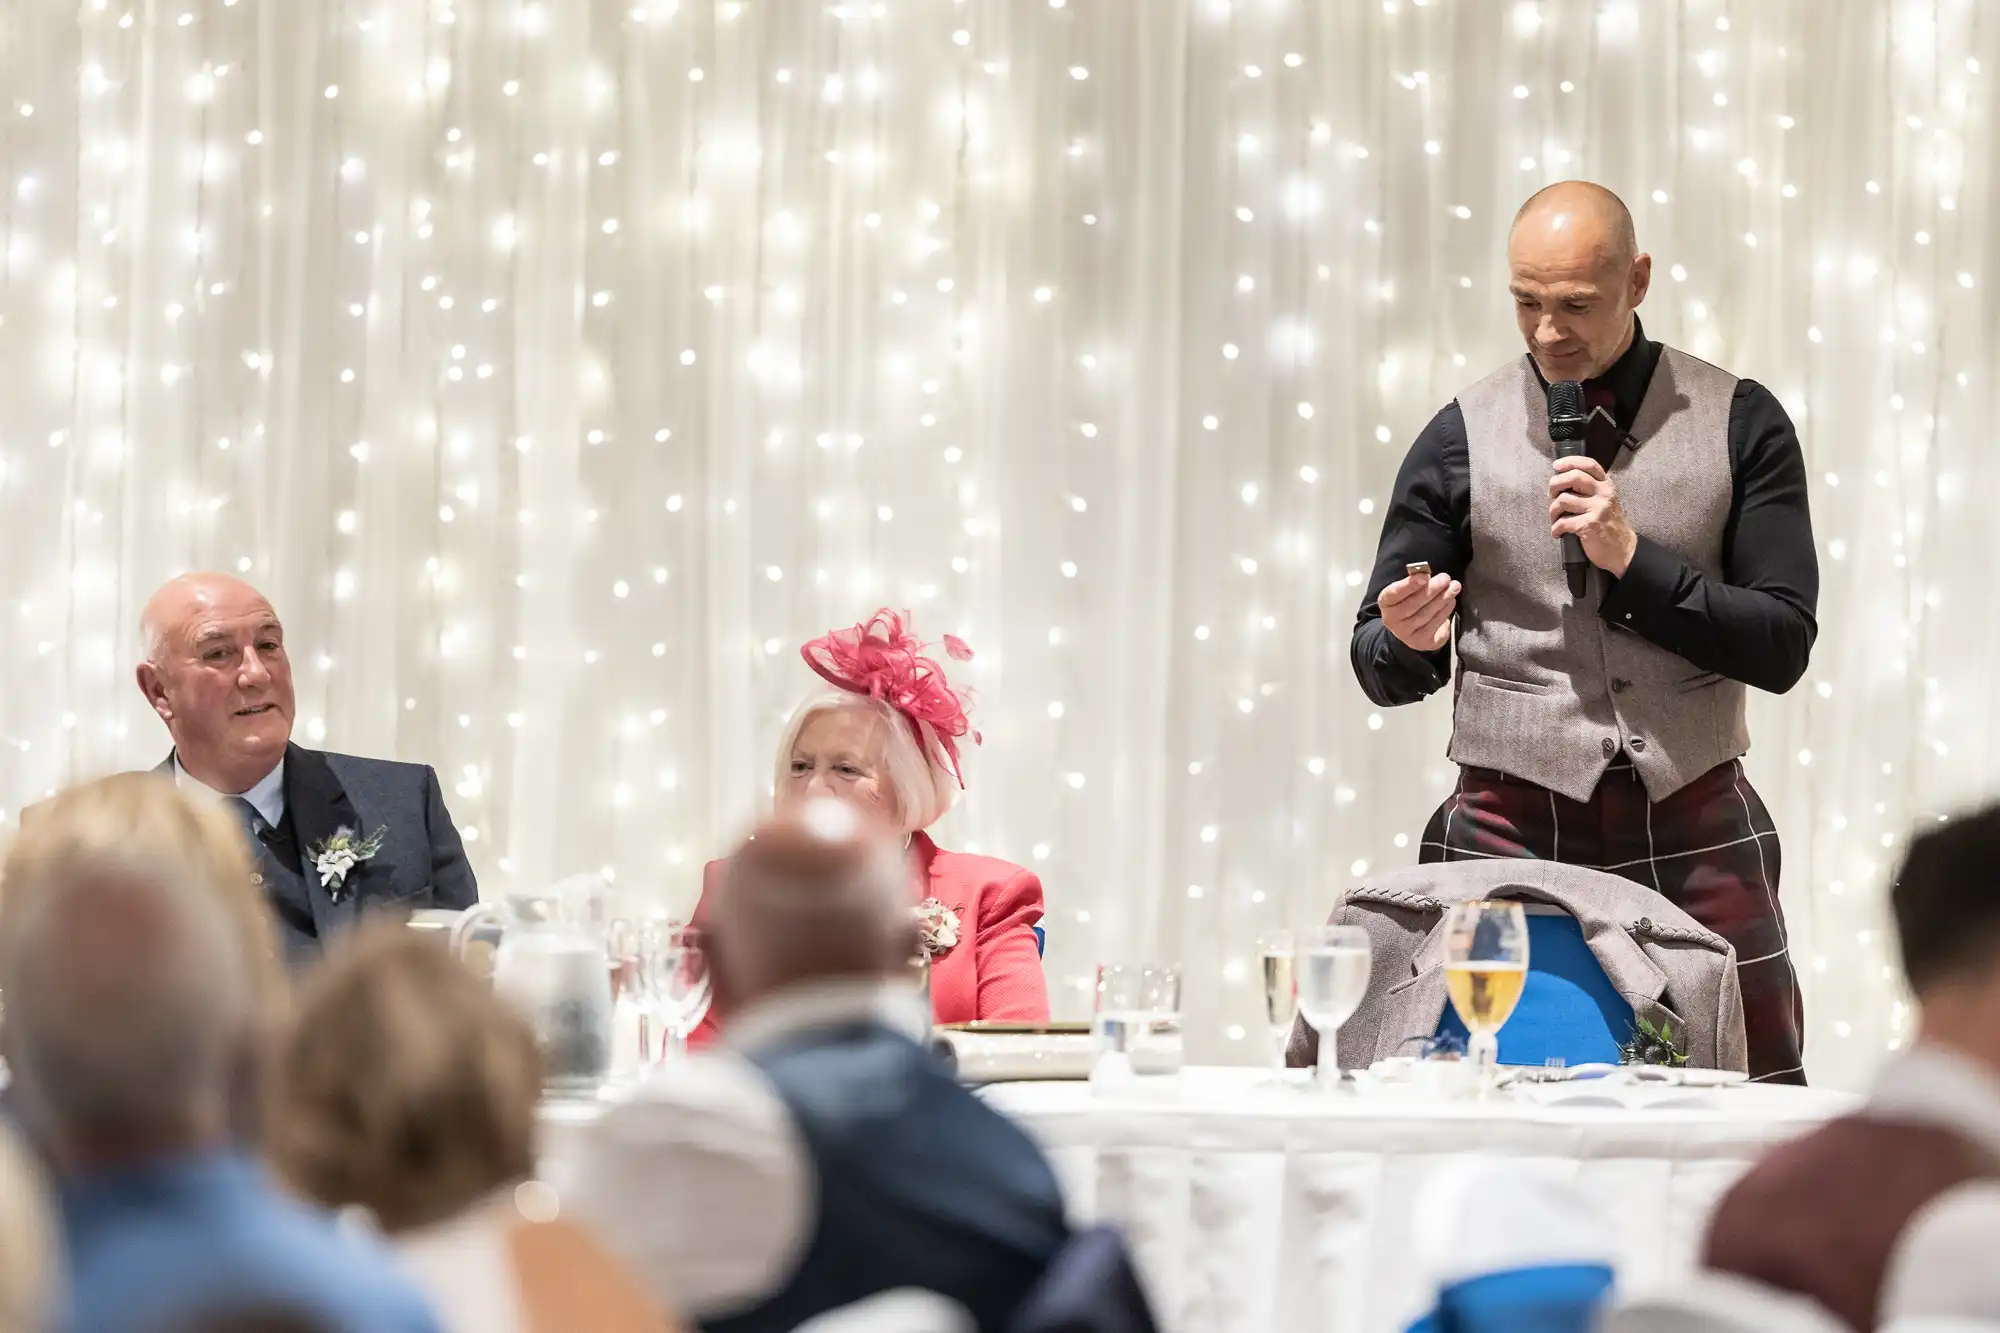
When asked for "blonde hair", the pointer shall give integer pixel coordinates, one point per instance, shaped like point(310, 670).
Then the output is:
point(138, 826)
point(405, 1085)
point(129, 1010)
point(28, 1255)
point(923, 789)
point(147, 814)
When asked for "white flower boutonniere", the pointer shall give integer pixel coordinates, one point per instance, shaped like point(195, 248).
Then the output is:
point(939, 925)
point(336, 856)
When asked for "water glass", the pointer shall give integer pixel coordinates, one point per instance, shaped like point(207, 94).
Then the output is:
point(675, 973)
point(1136, 1024)
point(1333, 968)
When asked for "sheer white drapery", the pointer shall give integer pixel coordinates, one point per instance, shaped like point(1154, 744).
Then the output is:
point(558, 367)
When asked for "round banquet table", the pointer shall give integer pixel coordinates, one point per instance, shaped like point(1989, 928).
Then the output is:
point(1267, 1210)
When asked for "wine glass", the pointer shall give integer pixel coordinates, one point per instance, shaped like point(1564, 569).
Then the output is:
point(1486, 968)
point(1276, 958)
point(1333, 979)
point(677, 982)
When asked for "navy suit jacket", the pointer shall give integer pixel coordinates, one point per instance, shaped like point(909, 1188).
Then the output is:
point(919, 1184)
point(421, 862)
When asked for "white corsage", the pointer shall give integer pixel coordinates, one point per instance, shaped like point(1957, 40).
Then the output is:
point(939, 925)
point(335, 857)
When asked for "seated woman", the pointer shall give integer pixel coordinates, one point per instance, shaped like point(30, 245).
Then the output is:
point(885, 739)
point(407, 1088)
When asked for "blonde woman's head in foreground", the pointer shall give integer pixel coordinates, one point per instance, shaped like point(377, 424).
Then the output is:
point(138, 962)
point(405, 1085)
point(145, 815)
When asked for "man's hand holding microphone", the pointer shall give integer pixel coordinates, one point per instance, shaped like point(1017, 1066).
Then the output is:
point(1583, 502)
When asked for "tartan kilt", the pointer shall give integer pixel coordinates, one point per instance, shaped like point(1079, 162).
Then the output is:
point(1711, 849)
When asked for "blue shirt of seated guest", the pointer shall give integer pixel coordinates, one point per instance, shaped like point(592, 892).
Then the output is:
point(155, 1245)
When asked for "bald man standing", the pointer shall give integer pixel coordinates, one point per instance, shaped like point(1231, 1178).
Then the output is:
point(334, 834)
point(1606, 730)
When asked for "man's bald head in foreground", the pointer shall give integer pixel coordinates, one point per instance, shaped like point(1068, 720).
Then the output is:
point(216, 672)
point(1576, 273)
point(814, 895)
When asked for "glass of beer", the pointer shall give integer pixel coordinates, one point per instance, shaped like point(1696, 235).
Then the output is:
point(1486, 968)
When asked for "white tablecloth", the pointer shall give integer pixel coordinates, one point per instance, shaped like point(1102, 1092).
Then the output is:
point(1255, 1210)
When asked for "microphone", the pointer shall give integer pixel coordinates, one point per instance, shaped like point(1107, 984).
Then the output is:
point(1566, 426)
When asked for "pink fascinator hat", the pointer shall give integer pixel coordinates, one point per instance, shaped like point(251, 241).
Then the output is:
point(881, 659)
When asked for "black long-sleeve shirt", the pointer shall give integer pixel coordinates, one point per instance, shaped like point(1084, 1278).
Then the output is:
point(1754, 624)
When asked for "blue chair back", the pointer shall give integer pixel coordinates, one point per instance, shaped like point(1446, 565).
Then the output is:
point(1089, 1287)
point(1569, 1008)
point(1557, 1298)
point(1041, 940)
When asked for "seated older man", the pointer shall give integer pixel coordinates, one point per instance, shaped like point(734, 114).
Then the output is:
point(132, 1010)
point(822, 1158)
point(334, 835)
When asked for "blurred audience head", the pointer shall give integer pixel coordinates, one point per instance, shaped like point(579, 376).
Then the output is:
point(1576, 274)
point(137, 813)
point(131, 1000)
point(28, 1257)
point(404, 1086)
point(215, 671)
point(816, 894)
point(1946, 900)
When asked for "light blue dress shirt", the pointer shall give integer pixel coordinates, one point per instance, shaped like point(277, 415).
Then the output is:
point(156, 1245)
point(267, 798)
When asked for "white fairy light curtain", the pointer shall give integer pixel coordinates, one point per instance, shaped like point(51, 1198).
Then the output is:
point(559, 366)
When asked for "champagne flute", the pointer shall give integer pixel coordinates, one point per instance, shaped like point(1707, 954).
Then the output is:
point(1333, 980)
point(1486, 968)
point(628, 991)
point(1277, 958)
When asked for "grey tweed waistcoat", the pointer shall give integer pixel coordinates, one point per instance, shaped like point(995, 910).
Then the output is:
point(1547, 689)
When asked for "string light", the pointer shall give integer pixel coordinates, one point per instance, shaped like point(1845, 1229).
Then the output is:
point(645, 475)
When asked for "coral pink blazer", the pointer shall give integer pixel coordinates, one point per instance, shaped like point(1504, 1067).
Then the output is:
point(995, 971)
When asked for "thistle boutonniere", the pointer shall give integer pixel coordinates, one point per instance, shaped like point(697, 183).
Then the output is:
point(1652, 1045)
point(336, 856)
point(939, 925)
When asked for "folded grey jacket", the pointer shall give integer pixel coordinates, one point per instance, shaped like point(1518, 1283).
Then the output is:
point(1669, 967)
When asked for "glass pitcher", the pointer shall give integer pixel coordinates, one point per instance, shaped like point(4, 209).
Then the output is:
point(547, 953)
